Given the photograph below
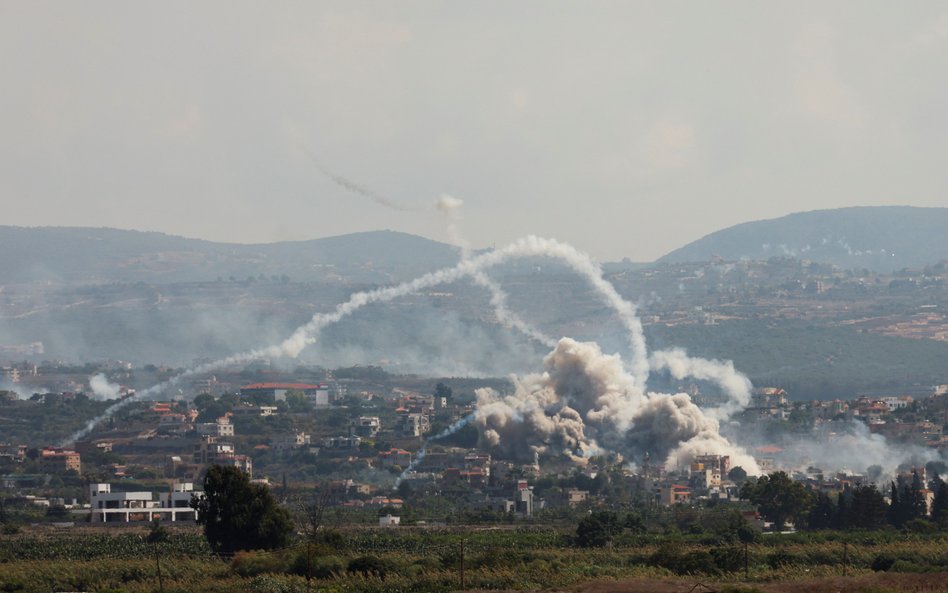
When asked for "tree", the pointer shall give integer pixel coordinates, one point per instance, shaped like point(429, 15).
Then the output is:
point(442, 390)
point(239, 515)
point(940, 504)
point(597, 529)
point(868, 509)
point(823, 513)
point(737, 474)
point(778, 498)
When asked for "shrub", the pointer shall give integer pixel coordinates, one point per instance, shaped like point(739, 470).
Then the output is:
point(320, 567)
point(728, 559)
point(779, 559)
point(882, 563)
point(370, 566)
point(249, 564)
point(682, 561)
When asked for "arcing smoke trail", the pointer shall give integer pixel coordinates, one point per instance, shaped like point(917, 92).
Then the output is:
point(305, 335)
point(351, 185)
point(423, 451)
point(449, 205)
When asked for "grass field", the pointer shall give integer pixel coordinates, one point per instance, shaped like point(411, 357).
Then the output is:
point(418, 560)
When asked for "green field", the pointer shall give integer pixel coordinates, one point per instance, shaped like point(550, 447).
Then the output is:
point(422, 560)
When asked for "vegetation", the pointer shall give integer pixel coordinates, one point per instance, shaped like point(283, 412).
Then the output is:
point(239, 515)
point(429, 560)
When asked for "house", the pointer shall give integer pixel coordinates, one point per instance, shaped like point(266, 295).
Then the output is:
point(365, 426)
point(124, 507)
point(574, 497)
point(290, 441)
point(221, 428)
point(211, 452)
point(342, 442)
point(389, 521)
point(276, 392)
point(59, 460)
point(252, 410)
point(414, 425)
point(393, 457)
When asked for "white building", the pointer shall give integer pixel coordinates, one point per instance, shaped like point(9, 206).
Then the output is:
point(125, 507)
point(389, 521)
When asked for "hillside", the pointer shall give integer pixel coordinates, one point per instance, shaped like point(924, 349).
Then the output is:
point(103, 255)
point(883, 239)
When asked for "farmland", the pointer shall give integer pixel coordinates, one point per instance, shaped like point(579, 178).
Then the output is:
point(441, 559)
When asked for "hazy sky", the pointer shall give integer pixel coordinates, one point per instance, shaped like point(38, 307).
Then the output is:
point(625, 128)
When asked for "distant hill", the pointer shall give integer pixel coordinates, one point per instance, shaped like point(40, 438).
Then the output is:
point(884, 239)
point(102, 255)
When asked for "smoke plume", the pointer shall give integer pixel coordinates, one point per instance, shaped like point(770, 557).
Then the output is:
point(352, 186)
point(586, 403)
point(634, 382)
point(451, 207)
point(102, 389)
point(734, 384)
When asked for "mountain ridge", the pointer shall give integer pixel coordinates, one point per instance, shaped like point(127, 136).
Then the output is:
point(880, 238)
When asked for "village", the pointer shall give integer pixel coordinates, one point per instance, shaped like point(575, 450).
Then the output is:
point(367, 451)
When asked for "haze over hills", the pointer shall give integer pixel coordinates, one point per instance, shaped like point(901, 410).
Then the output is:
point(882, 239)
point(103, 255)
point(92, 294)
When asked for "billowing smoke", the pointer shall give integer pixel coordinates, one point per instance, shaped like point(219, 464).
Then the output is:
point(586, 404)
point(634, 382)
point(20, 391)
point(849, 446)
point(102, 389)
point(734, 384)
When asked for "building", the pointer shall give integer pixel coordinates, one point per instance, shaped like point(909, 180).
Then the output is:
point(342, 442)
point(414, 425)
point(365, 426)
point(393, 457)
point(674, 494)
point(290, 441)
point(574, 497)
point(276, 392)
point(389, 521)
point(211, 452)
point(221, 428)
point(59, 460)
point(252, 410)
point(124, 507)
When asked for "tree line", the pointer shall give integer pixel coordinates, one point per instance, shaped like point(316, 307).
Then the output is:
point(781, 500)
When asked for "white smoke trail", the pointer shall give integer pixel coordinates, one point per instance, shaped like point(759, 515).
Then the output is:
point(450, 207)
point(305, 335)
point(351, 185)
point(423, 451)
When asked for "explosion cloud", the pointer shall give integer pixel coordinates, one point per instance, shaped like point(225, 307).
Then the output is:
point(585, 403)
point(102, 388)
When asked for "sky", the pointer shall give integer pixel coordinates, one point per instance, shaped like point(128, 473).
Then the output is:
point(624, 128)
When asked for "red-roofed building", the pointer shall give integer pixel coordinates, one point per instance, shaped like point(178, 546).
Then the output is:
point(393, 457)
